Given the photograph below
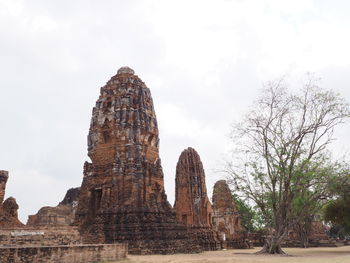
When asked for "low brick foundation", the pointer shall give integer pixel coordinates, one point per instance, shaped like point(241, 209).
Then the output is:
point(63, 254)
point(44, 236)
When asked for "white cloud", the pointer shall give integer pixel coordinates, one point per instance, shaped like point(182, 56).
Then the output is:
point(14, 8)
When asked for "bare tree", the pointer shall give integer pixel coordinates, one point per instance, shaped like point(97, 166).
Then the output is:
point(284, 164)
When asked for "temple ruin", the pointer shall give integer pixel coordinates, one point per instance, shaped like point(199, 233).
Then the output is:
point(61, 215)
point(122, 197)
point(9, 207)
point(312, 234)
point(192, 205)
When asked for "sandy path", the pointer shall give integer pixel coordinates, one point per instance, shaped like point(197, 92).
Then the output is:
point(298, 255)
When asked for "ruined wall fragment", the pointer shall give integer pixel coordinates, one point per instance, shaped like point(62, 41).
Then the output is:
point(9, 207)
point(61, 215)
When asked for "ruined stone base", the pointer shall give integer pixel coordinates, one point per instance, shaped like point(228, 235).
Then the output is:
point(312, 243)
point(43, 236)
point(239, 243)
point(145, 233)
point(64, 254)
point(207, 238)
point(257, 239)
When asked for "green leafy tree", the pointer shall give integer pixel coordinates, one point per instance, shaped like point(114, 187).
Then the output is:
point(303, 226)
point(337, 211)
point(282, 162)
point(250, 218)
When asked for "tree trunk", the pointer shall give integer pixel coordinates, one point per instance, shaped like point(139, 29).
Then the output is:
point(304, 229)
point(272, 246)
point(304, 240)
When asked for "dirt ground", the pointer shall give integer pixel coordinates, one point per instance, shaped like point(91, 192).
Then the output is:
point(295, 255)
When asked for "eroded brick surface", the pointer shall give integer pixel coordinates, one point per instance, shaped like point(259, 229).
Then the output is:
point(39, 236)
point(64, 254)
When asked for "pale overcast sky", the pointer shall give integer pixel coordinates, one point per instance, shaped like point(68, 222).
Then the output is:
point(204, 62)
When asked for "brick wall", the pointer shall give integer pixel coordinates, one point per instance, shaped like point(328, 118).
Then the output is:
point(64, 254)
point(31, 236)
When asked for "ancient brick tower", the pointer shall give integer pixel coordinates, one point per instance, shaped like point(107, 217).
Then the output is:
point(122, 196)
point(192, 205)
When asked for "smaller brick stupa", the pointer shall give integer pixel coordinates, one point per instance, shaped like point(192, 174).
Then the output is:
point(226, 219)
point(192, 205)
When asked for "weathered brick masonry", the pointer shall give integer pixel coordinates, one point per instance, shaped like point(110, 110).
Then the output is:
point(63, 254)
point(34, 236)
